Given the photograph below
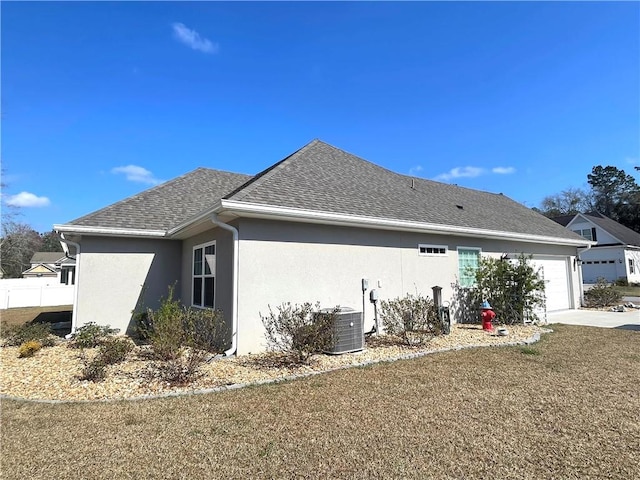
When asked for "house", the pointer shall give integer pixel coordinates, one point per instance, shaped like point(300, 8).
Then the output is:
point(308, 228)
point(52, 265)
point(616, 254)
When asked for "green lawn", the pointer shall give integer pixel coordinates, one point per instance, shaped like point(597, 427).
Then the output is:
point(567, 407)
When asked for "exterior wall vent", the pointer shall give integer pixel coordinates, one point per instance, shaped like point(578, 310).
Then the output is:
point(348, 331)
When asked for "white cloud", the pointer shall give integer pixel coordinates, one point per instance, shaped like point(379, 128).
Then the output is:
point(459, 172)
point(27, 199)
point(134, 173)
point(503, 170)
point(415, 170)
point(192, 39)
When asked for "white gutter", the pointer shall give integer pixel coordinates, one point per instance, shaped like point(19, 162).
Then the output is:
point(76, 285)
point(115, 232)
point(311, 216)
point(234, 292)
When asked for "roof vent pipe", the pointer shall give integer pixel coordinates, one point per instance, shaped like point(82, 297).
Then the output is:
point(234, 282)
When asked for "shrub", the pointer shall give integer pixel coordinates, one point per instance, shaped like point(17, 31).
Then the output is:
point(182, 337)
point(299, 331)
point(182, 370)
point(414, 319)
point(94, 371)
point(165, 328)
point(621, 282)
point(28, 349)
point(205, 329)
point(601, 294)
point(16, 335)
point(91, 335)
point(114, 350)
point(513, 288)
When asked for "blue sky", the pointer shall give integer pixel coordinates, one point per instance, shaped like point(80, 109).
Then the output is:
point(102, 100)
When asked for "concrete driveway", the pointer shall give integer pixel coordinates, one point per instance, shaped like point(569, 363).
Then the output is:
point(629, 320)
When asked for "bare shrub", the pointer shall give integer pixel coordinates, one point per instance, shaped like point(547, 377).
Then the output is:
point(602, 294)
point(299, 331)
point(413, 319)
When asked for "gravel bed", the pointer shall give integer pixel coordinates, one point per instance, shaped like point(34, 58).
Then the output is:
point(52, 374)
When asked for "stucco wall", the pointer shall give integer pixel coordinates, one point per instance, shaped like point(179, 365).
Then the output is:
point(224, 268)
point(282, 262)
point(113, 272)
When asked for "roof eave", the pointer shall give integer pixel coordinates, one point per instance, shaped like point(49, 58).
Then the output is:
point(311, 216)
point(109, 232)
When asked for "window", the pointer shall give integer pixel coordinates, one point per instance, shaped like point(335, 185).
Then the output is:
point(468, 262)
point(588, 233)
point(432, 249)
point(204, 273)
point(632, 267)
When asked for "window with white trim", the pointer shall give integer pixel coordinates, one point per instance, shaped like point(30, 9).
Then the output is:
point(587, 233)
point(432, 250)
point(204, 275)
point(632, 266)
point(468, 263)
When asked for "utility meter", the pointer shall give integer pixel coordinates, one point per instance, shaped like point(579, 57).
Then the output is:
point(373, 296)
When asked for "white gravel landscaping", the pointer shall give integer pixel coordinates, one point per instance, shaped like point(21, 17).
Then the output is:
point(52, 373)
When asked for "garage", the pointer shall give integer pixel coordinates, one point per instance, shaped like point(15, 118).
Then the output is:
point(555, 272)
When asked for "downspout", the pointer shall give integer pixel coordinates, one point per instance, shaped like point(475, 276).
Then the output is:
point(580, 279)
point(234, 281)
point(76, 276)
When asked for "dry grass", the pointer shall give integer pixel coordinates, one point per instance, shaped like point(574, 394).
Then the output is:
point(18, 316)
point(567, 407)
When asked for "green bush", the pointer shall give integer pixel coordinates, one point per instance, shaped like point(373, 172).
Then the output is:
point(16, 335)
point(28, 349)
point(299, 331)
point(114, 350)
point(514, 289)
point(602, 294)
point(172, 328)
point(414, 319)
point(91, 335)
point(621, 282)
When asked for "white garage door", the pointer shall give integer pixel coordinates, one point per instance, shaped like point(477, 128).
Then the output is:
point(555, 270)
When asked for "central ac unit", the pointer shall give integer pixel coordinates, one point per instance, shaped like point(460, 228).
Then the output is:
point(348, 331)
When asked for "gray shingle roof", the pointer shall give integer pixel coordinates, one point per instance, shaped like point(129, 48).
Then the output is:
point(324, 178)
point(47, 257)
point(167, 205)
point(320, 177)
point(622, 233)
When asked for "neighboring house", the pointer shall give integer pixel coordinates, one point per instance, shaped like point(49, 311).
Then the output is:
point(52, 264)
point(616, 254)
point(308, 228)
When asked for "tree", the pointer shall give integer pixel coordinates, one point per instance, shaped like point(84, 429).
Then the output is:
point(19, 242)
point(50, 242)
point(567, 202)
point(611, 188)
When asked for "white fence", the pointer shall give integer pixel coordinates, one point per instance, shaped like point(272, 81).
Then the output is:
point(34, 292)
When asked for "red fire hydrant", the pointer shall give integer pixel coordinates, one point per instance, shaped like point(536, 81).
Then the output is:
point(487, 315)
